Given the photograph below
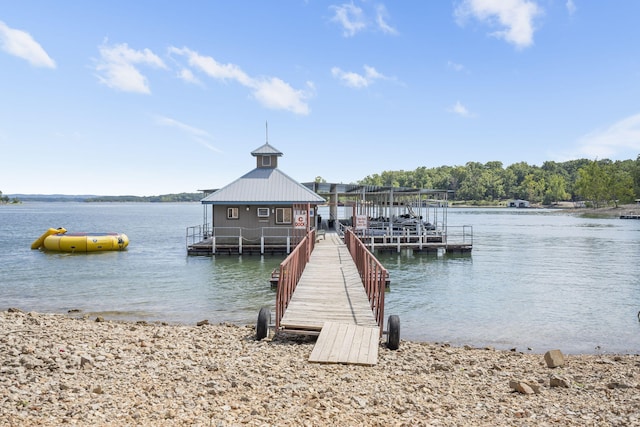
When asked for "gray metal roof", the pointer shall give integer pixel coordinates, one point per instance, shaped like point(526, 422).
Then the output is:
point(349, 189)
point(264, 187)
point(266, 149)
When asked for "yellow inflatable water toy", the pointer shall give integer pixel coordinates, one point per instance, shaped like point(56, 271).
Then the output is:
point(57, 239)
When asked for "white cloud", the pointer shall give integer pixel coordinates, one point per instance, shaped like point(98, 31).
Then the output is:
point(350, 17)
point(515, 17)
point(381, 15)
point(354, 19)
point(620, 139)
point(278, 95)
point(187, 75)
point(271, 92)
point(202, 137)
point(355, 80)
point(20, 43)
point(117, 67)
point(460, 110)
point(571, 7)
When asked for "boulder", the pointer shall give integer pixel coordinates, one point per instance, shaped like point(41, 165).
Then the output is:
point(554, 358)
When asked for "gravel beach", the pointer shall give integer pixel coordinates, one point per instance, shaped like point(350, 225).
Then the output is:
point(66, 370)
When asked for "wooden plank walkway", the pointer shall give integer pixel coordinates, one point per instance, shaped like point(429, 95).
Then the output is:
point(330, 292)
point(344, 343)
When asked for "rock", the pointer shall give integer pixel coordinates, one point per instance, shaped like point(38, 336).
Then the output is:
point(14, 310)
point(27, 349)
point(99, 319)
point(522, 387)
point(202, 322)
point(554, 358)
point(556, 381)
point(85, 363)
point(616, 384)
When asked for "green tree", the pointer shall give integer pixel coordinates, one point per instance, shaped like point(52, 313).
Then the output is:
point(620, 184)
point(592, 184)
point(533, 187)
point(473, 187)
point(556, 189)
point(635, 174)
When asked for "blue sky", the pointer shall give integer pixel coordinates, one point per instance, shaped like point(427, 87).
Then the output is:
point(155, 97)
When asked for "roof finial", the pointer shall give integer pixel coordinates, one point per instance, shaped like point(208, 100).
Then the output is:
point(266, 125)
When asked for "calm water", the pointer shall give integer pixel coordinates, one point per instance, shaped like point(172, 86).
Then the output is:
point(536, 279)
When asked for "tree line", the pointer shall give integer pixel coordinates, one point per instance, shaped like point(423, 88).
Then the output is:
point(598, 183)
point(164, 198)
point(5, 199)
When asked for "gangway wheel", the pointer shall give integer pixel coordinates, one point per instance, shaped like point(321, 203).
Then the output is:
point(393, 332)
point(262, 326)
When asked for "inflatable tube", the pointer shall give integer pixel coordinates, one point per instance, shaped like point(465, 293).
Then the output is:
point(61, 241)
point(40, 241)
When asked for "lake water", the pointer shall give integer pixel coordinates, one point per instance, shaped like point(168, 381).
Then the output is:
point(537, 279)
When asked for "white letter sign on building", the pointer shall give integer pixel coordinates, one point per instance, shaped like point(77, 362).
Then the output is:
point(361, 222)
point(300, 219)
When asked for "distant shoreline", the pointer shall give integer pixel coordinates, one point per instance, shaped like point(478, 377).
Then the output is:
point(567, 207)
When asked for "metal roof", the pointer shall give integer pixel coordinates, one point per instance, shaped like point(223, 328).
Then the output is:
point(354, 189)
point(263, 186)
point(266, 149)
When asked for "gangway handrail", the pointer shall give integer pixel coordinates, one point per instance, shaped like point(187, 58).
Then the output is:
point(291, 270)
point(374, 276)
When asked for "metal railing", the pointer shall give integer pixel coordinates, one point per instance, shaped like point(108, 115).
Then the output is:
point(291, 270)
point(240, 236)
point(459, 235)
point(374, 276)
point(198, 233)
point(443, 237)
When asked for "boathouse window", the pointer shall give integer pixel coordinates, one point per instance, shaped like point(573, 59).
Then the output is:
point(266, 160)
point(263, 212)
point(232, 213)
point(283, 216)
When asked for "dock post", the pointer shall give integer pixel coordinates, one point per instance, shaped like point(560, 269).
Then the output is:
point(213, 245)
point(261, 245)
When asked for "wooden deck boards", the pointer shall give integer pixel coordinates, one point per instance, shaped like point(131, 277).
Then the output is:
point(330, 298)
point(330, 290)
point(345, 343)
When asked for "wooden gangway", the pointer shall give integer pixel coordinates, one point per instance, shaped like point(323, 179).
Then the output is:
point(339, 296)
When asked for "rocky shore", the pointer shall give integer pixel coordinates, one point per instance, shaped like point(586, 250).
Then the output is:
point(61, 370)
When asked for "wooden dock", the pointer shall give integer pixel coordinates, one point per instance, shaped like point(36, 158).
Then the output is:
point(330, 300)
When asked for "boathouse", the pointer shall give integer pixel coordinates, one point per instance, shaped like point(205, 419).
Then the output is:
point(264, 210)
point(518, 203)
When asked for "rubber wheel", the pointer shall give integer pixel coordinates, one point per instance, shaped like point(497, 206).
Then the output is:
point(393, 332)
point(262, 327)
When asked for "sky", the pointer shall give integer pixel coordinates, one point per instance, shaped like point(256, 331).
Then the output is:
point(153, 97)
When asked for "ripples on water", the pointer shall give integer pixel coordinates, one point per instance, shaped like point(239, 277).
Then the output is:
point(536, 279)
